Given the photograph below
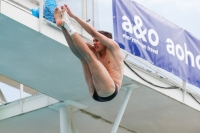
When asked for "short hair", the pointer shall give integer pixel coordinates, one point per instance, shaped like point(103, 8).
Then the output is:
point(105, 33)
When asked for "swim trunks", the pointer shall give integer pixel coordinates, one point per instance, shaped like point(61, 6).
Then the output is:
point(105, 99)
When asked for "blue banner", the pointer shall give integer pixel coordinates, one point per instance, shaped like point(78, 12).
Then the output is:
point(153, 38)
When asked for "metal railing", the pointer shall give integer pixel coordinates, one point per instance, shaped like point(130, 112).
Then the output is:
point(161, 74)
point(11, 90)
point(132, 60)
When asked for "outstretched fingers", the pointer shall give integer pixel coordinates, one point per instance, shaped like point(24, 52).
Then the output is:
point(69, 11)
point(63, 10)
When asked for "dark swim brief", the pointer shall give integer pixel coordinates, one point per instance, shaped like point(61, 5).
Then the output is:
point(105, 99)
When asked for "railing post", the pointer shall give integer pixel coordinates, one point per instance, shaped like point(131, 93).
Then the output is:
point(84, 13)
point(84, 10)
point(21, 90)
point(184, 91)
point(93, 13)
point(0, 6)
point(2, 98)
point(21, 96)
point(41, 3)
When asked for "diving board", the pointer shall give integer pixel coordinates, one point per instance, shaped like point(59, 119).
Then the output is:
point(39, 62)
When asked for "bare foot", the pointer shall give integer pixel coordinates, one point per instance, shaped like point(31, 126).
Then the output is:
point(65, 15)
point(58, 17)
